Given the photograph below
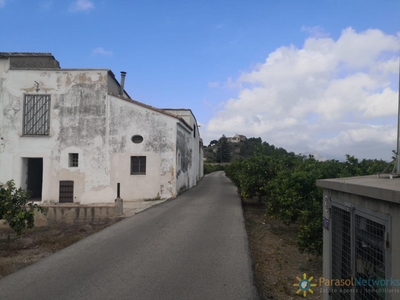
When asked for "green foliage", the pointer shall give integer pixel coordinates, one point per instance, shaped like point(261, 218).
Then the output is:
point(223, 150)
point(213, 143)
point(15, 208)
point(352, 167)
point(249, 147)
point(209, 154)
point(209, 168)
point(287, 183)
point(309, 238)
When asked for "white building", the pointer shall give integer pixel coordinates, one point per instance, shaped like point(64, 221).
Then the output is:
point(237, 138)
point(71, 135)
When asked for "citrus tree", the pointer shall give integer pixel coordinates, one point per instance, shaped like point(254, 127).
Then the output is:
point(287, 184)
point(15, 208)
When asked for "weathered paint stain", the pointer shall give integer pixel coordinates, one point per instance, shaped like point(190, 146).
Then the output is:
point(90, 77)
point(182, 145)
point(68, 81)
point(29, 90)
point(158, 141)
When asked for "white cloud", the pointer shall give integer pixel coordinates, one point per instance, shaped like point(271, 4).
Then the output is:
point(365, 141)
point(315, 31)
point(82, 5)
point(101, 51)
point(381, 104)
point(330, 96)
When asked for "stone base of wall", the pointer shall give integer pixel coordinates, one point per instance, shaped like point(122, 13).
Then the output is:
point(75, 214)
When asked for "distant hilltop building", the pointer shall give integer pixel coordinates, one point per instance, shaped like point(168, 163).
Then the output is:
point(237, 138)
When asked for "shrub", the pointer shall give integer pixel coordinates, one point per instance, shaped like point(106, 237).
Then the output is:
point(15, 208)
point(287, 183)
point(209, 168)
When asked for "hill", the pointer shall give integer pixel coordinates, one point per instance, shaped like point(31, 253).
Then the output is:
point(224, 150)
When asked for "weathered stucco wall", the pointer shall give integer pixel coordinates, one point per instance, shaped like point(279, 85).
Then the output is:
point(77, 125)
point(184, 158)
point(190, 141)
point(159, 134)
point(86, 120)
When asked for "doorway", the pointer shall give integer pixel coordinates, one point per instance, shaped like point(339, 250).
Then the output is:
point(66, 191)
point(35, 178)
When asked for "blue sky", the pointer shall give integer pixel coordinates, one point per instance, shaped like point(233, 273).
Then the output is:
point(307, 75)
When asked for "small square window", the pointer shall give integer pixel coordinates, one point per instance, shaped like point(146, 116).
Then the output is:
point(138, 165)
point(73, 159)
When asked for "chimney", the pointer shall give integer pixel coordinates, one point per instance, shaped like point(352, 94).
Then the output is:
point(121, 89)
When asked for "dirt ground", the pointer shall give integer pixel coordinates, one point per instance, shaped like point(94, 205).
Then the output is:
point(17, 252)
point(277, 262)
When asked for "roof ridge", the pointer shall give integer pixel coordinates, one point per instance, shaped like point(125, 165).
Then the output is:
point(152, 108)
point(8, 54)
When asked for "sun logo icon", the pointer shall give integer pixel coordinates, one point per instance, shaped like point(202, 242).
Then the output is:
point(304, 285)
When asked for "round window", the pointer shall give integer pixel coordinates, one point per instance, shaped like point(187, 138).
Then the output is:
point(137, 139)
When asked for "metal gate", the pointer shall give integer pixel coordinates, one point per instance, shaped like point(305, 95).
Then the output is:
point(341, 250)
point(360, 251)
point(370, 258)
point(66, 191)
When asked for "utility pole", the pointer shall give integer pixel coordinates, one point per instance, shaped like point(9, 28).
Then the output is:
point(396, 169)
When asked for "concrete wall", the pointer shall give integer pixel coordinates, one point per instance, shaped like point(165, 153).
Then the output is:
point(87, 120)
point(201, 159)
point(326, 249)
point(184, 157)
point(76, 214)
point(190, 147)
point(77, 125)
point(159, 136)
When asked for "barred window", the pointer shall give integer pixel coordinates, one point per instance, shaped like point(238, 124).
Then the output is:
point(36, 115)
point(138, 165)
point(73, 159)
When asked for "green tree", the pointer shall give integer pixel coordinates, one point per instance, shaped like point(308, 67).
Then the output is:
point(249, 146)
point(287, 184)
point(223, 150)
point(15, 208)
point(213, 143)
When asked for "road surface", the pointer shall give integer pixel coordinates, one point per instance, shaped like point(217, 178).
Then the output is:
point(191, 247)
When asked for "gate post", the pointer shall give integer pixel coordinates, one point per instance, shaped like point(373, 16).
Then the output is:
point(119, 203)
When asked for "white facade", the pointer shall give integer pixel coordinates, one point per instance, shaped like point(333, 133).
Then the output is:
point(89, 136)
point(189, 151)
point(236, 138)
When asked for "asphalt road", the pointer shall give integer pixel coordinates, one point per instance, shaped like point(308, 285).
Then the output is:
point(191, 247)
